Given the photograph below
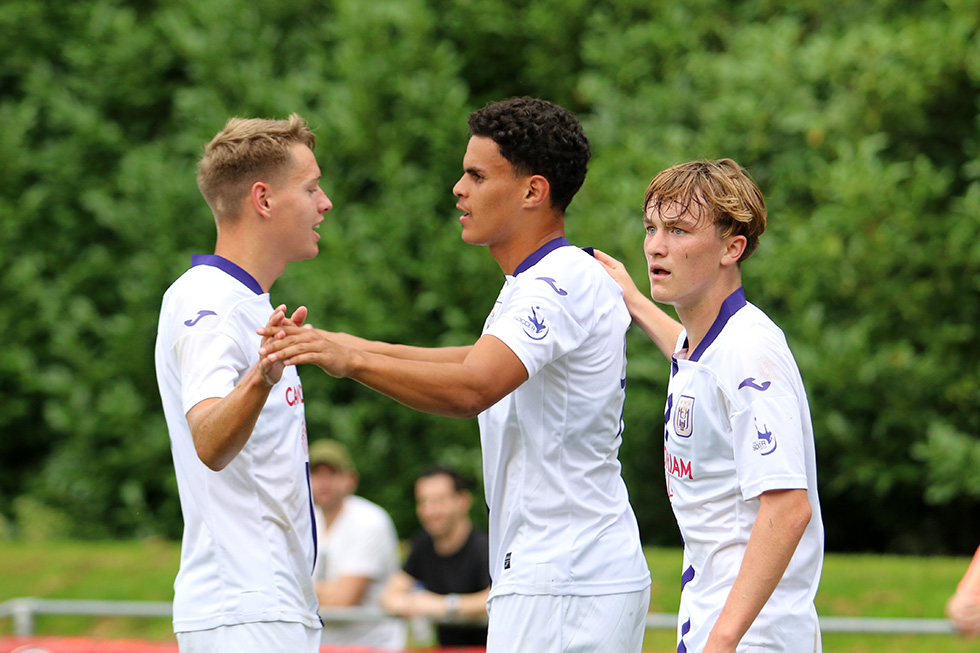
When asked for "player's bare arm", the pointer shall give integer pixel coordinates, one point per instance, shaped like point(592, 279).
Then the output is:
point(221, 426)
point(405, 352)
point(783, 516)
point(488, 372)
point(660, 327)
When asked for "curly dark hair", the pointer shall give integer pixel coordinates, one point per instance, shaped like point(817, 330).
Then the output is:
point(538, 138)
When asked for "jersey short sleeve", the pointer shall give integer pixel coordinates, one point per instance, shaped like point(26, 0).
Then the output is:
point(767, 428)
point(210, 365)
point(537, 324)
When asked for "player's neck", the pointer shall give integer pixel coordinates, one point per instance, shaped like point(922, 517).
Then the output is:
point(249, 255)
point(527, 240)
point(454, 540)
point(698, 317)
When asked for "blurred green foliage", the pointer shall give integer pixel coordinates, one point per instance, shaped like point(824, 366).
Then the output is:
point(858, 120)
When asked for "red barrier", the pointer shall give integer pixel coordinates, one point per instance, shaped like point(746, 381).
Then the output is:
point(81, 645)
point(33, 644)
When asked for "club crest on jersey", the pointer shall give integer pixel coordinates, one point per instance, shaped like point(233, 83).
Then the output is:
point(765, 443)
point(684, 417)
point(534, 325)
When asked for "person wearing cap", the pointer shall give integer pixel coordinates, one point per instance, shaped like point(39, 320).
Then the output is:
point(357, 550)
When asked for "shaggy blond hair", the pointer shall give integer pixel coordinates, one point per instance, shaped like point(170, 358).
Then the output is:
point(724, 192)
point(244, 152)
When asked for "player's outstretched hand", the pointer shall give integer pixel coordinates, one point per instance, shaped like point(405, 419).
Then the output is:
point(292, 345)
point(619, 274)
point(272, 371)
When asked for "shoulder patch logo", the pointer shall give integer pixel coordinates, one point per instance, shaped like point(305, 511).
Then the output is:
point(554, 286)
point(534, 325)
point(750, 383)
point(684, 417)
point(766, 441)
point(200, 315)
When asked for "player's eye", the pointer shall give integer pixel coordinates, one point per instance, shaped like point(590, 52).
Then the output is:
point(651, 230)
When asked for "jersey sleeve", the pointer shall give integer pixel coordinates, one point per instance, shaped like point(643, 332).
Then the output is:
point(767, 429)
point(538, 325)
point(210, 363)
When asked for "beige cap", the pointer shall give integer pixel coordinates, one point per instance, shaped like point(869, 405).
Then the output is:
point(333, 453)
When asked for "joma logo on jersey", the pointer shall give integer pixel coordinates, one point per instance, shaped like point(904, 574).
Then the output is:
point(294, 395)
point(198, 318)
point(677, 466)
point(684, 417)
point(533, 325)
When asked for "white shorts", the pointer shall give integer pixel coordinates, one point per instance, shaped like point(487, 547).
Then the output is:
point(610, 623)
point(257, 637)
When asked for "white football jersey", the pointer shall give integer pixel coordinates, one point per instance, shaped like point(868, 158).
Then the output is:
point(738, 425)
point(560, 517)
point(248, 546)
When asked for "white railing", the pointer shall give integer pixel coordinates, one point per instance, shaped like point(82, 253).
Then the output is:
point(23, 611)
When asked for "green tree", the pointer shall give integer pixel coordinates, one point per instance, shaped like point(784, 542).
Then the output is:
point(861, 131)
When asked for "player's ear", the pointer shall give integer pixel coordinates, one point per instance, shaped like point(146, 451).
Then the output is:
point(260, 197)
point(734, 247)
point(537, 191)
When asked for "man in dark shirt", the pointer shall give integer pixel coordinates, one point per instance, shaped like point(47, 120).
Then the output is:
point(446, 576)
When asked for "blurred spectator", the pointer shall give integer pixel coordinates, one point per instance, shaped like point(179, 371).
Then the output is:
point(357, 550)
point(963, 608)
point(447, 574)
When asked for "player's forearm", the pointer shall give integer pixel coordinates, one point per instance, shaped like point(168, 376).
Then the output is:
point(404, 352)
point(448, 389)
point(221, 427)
point(782, 519)
point(657, 324)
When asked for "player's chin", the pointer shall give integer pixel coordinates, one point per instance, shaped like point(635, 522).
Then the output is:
point(310, 252)
point(660, 294)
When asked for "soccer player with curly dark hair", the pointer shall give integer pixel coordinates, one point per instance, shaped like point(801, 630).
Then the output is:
point(547, 383)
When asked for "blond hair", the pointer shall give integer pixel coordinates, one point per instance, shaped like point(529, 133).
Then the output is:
point(247, 150)
point(723, 191)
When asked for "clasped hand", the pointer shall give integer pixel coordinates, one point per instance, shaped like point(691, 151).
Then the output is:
point(290, 342)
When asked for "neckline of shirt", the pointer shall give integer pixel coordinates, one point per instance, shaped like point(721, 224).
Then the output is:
point(729, 307)
point(540, 253)
point(228, 267)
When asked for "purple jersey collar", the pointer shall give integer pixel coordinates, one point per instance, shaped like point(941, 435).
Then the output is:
point(729, 307)
point(225, 265)
point(540, 253)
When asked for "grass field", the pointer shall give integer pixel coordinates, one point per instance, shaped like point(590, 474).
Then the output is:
point(852, 586)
